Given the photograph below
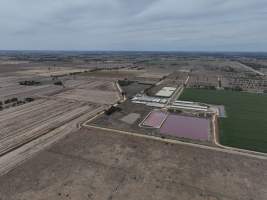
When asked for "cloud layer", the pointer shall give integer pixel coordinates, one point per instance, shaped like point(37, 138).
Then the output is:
point(183, 25)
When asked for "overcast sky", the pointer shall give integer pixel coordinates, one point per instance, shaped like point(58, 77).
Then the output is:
point(180, 25)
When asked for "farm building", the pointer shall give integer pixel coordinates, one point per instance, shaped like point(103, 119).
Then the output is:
point(166, 92)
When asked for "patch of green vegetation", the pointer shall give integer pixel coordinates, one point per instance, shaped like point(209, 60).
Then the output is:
point(246, 123)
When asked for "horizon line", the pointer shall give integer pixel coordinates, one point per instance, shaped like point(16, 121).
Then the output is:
point(167, 51)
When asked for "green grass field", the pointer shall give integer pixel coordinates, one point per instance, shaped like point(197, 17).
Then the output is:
point(246, 123)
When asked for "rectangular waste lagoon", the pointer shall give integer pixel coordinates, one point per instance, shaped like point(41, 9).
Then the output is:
point(186, 127)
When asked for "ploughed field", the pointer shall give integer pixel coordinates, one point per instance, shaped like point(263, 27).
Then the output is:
point(246, 123)
point(24, 123)
point(56, 112)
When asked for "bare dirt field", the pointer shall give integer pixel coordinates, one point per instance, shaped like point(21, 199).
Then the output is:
point(28, 91)
point(24, 123)
point(11, 69)
point(10, 87)
point(94, 164)
point(26, 129)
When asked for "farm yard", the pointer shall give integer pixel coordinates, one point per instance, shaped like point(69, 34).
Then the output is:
point(246, 123)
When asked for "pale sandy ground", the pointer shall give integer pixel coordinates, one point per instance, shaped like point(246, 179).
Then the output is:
point(90, 164)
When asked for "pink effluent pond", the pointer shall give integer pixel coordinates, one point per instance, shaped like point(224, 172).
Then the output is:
point(186, 127)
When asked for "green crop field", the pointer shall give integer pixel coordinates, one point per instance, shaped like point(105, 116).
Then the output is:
point(246, 123)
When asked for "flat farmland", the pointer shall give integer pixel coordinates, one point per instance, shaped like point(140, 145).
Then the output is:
point(100, 92)
point(57, 111)
point(21, 124)
point(96, 164)
point(246, 123)
point(28, 91)
point(10, 87)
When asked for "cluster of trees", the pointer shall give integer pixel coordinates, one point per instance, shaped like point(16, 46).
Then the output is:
point(29, 99)
point(14, 102)
point(125, 82)
point(112, 109)
point(29, 83)
point(8, 101)
point(58, 83)
point(77, 73)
